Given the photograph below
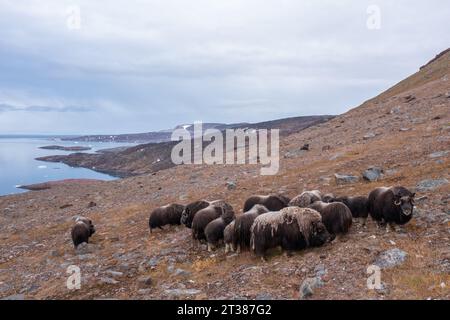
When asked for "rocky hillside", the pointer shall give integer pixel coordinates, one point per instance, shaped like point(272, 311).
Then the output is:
point(404, 132)
point(152, 157)
point(286, 125)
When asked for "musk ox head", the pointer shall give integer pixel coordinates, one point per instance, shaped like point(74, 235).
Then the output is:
point(404, 202)
point(88, 223)
point(319, 235)
point(190, 210)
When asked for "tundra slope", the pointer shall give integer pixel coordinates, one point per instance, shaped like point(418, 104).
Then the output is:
point(36, 247)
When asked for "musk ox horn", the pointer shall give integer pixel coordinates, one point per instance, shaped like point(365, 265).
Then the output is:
point(397, 202)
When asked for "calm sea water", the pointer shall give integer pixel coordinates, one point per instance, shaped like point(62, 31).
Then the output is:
point(18, 167)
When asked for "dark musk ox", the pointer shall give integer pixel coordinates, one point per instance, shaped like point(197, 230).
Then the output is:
point(336, 216)
point(358, 206)
point(202, 218)
point(291, 228)
point(215, 230)
point(242, 225)
point(304, 199)
point(168, 214)
point(328, 197)
point(82, 230)
point(391, 206)
point(190, 210)
point(228, 236)
point(272, 202)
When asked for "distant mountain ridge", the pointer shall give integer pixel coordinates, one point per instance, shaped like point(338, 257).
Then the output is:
point(287, 125)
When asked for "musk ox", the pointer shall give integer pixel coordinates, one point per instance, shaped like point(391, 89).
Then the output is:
point(169, 214)
point(291, 228)
point(272, 202)
point(336, 216)
point(391, 206)
point(328, 197)
point(228, 236)
point(190, 210)
point(357, 206)
point(82, 230)
point(242, 225)
point(304, 199)
point(215, 231)
point(202, 218)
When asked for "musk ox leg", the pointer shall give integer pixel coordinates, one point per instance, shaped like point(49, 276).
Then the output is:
point(263, 258)
point(287, 253)
point(389, 227)
point(238, 249)
point(227, 247)
point(209, 247)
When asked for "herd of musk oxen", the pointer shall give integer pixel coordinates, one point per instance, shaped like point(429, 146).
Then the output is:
point(308, 220)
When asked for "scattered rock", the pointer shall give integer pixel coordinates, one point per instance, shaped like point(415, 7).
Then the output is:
point(85, 248)
point(369, 135)
point(64, 206)
point(404, 129)
point(264, 296)
point(390, 258)
point(14, 297)
point(181, 272)
point(231, 185)
point(372, 174)
point(114, 273)
point(107, 280)
point(145, 281)
point(345, 178)
point(305, 147)
point(308, 286)
point(325, 148)
point(409, 98)
point(91, 204)
point(439, 154)
point(182, 292)
point(430, 184)
point(294, 153)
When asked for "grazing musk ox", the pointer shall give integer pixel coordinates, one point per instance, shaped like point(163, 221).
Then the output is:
point(272, 202)
point(202, 218)
point(391, 206)
point(82, 230)
point(336, 216)
point(190, 210)
point(291, 228)
point(242, 225)
point(304, 199)
point(358, 206)
point(168, 214)
point(215, 230)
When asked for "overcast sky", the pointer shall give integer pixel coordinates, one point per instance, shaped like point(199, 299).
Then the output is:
point(136, 66)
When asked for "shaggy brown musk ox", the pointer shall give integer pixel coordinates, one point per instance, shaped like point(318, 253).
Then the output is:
point(291, 228)
point(82, 230)
point(357, 205)
point(242, 225)
point(190, 210)
point(393, 206)
point(272, 202)
point(304, 199)
point(168, 214)
point(336, 216)
point(202, 218)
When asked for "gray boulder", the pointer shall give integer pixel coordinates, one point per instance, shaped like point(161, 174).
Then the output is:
point(390, 258)
point(345, 178)
point(372, 174)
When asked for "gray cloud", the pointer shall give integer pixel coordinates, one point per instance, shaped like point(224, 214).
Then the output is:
point(151, 65)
